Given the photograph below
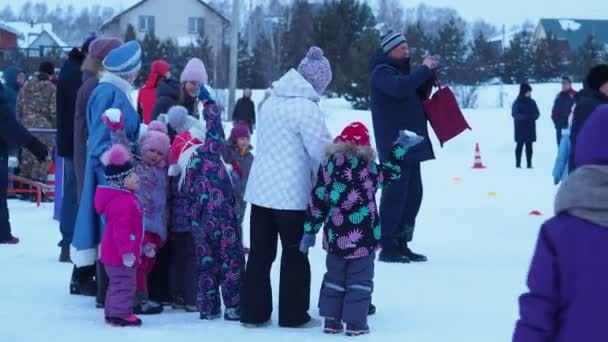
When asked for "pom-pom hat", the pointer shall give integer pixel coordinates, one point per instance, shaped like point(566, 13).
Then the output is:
point(356, 133)
point(117, 165)
point(315, 68)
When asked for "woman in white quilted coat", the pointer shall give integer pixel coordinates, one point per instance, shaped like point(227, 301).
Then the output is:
point(291, 139)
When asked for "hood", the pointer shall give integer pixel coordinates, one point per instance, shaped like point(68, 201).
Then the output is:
point(584, 194)
point(168, 88)
point(380, 58)
point(366, 153)
point(292, 84)
point(105, 194)
point(158, 70)
point(592, 142)
point(10, 77)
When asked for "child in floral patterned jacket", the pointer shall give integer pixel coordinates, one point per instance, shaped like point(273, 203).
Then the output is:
point(344, 201)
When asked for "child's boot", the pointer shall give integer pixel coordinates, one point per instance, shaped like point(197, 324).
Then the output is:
point(333, 326)
point(130, 321)
point(232, 314)
point(354, 329)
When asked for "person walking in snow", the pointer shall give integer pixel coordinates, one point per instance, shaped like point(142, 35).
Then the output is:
point(37, 109)
point(122, 238)
point(12, 134)
point(525, 113)
point(238, 154)
point(121, 67)
point(244, 111)
point(396, 104)
point(82, 281)
point(562, 107)
point(593, 94)
point(292, 137)
point(146, 100)
point(566, 298)
point(343, 201)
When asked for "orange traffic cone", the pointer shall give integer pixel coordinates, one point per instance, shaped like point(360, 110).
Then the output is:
point(478, 163)
point(50, 179)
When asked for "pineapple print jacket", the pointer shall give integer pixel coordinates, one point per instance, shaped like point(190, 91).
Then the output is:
point(343, 201)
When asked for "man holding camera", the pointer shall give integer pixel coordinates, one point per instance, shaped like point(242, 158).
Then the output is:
point(396, 103)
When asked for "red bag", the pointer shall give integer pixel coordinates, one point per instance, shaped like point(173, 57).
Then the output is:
point(445, 115)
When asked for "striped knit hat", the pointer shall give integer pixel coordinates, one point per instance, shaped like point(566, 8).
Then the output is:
point(391, 40)
point(124, 60)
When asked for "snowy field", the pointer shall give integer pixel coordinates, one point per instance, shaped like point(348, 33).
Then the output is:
point(474, 226)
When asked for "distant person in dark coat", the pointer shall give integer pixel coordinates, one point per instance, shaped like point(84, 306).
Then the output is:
point(70, 80)
point(562, 107)
point(244, 111)
point(567, 298)
point(594, 94)
point(525, 113)
point(396, 103)
point(14, 79)
point(12, 134)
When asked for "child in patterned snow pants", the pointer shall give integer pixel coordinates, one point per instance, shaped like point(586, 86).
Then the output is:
point(215, 229)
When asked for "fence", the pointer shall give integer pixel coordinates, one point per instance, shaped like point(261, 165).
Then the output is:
point(30, 58)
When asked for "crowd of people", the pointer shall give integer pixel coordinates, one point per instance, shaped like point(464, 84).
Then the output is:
point(155, 195)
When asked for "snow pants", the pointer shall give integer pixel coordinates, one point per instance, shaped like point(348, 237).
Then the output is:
point(219, 259)
point(346, 293)
point(182, 273)
point(399, 207)
point(147, 264)
point(267, 225)
point(121, 291)
point(5, 226)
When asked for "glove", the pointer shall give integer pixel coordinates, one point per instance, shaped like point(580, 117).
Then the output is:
point(38, 149)
point(308, 240)
point(128, 259)
point(408, 139)
point(150, 250)
point(13, 162)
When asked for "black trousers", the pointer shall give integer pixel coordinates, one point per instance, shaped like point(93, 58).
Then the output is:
point(5, 226)
point(558, 135)
point(519, 150)
point(102, 280)
point(183, 273)
point(159, 278)
point(399, 206)
point(267, 225)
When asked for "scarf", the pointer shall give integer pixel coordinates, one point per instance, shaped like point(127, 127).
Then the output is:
point(584, 194)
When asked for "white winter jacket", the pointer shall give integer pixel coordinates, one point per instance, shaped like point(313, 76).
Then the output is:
point(291, 139)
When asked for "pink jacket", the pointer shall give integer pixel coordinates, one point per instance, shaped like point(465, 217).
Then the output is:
point(124, 228)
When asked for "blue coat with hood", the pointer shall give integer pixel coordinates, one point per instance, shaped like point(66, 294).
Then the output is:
point(396, 103)
point(11, 87)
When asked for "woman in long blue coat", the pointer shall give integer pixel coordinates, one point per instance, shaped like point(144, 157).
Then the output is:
point(525, 113)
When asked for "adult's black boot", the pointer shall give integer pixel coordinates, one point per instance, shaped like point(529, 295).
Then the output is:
point(393, 255)
point(414, 257)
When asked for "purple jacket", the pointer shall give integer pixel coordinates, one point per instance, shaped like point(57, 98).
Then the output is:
point(568, 280)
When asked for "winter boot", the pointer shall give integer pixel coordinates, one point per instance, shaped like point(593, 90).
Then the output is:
point(147, 307)
point(232, 315)
point(12, 241)
point(414, 257)
point(178, 304)
point(88, 289)
point(215, 314)
point(64, 255)
point(333, 326)
point(372, 310)
point(393, 255)
point(130, 321)
point(356, 329)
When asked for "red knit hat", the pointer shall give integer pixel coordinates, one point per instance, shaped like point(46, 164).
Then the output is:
point(356, 133)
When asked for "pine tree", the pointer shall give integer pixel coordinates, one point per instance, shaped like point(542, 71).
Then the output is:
point(549, 61)
point(518, 60)
point(151, 51)
point(130, 34)
point(357, 91)
point(483, 58)
point(450, 48)
point(390, 13)
point(262, 63)
point(587, 55)
point(245, 66)
point(419, 43)
point(299, 35)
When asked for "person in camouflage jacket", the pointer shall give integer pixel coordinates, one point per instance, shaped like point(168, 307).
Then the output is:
point(36, 106)
point(344, 201)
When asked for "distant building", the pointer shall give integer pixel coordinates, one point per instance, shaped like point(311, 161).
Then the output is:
point(36, 38)
point(573, 32)
point(8, 39)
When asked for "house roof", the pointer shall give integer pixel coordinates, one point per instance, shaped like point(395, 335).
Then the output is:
point(29, 33)
point(9, 29)
point(140, 2)
point(576, 31)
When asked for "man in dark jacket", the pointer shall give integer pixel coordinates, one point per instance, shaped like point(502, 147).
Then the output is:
point(14, 79)
point(70, 80)
point(594, 94)
point(562, 107)
point(12, 134)
point(397, 105)
point(244, 110)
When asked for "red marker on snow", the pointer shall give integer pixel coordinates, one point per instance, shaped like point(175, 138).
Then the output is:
point(536, 213)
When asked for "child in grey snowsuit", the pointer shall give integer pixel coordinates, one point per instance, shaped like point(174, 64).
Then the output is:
point(344, 202)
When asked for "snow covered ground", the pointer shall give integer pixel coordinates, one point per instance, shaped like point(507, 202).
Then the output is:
point(479, 248)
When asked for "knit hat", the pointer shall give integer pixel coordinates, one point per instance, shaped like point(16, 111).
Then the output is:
point(356, 133)
point(101, 47)
point(391, 40)
point(194, 72)
point(524, 88)
point(239, 131)
point(156, 138)
point(47, 68)
point(598, 76)
point(158, 70)
point(124, 60)
point(87, 43)
point(315, 68)
point(178, 119)
point(117, 165)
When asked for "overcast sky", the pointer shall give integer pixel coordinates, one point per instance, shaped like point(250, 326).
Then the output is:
point(498, 12)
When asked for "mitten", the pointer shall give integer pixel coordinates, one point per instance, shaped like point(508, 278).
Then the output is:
point(113, 118)
point(128, 259)
point(308, 240)
point(408, 139)
point(37, 148)
point(150, 250)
